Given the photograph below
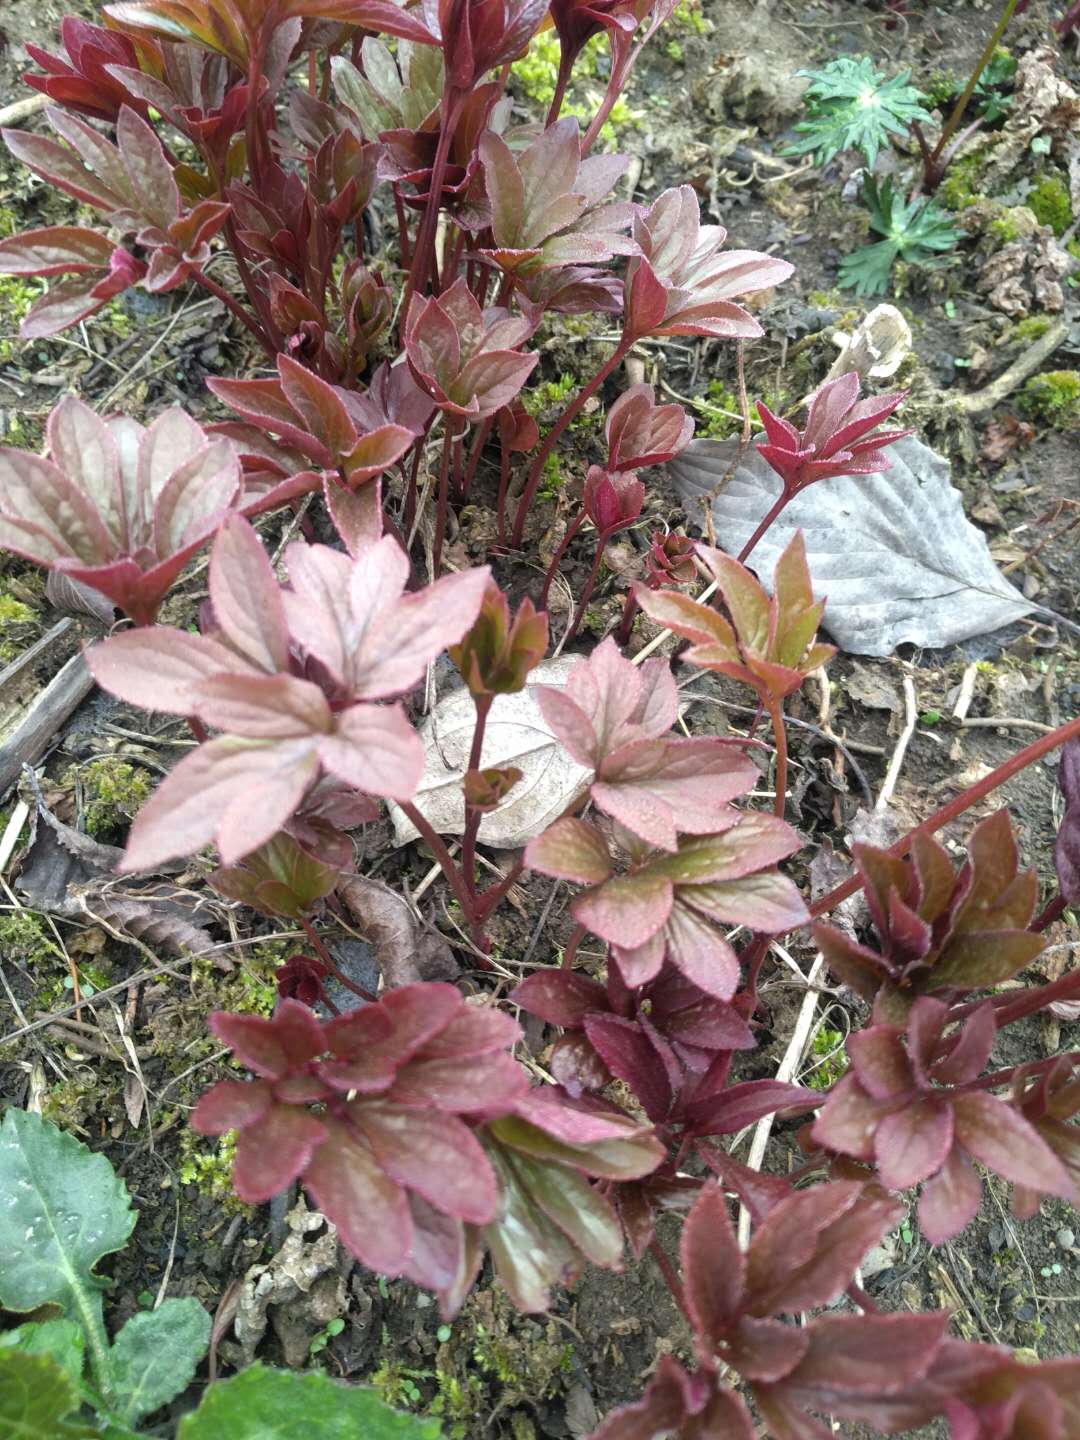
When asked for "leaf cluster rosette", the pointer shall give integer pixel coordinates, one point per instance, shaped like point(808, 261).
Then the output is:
point(300, 683)
point(940, 930)
point(769, 643)
point(425, 1145)
point(122, 507)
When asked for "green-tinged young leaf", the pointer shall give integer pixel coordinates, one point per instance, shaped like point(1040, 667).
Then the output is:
point(851, 106)
point(261, 1404)
point(627, 1159)
point(61, 1339)
point(61, 1209)
point(580, 1211)
point(37, 1397)
point(915, 232)
point(155, 1356)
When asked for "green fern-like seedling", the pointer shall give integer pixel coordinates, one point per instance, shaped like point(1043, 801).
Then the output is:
point(852, 106)
point(915, 231)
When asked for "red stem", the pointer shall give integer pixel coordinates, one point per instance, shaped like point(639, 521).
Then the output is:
point(776, 715)
point(572, 944)
point(425, 239)
point(566, 65)
point(626, 624)
point(586, 594)
point(964, 801)
point(671, 1280)
point(444, 492)
point(331, 964)
point(473, 816)
point(552, 437)
point(770, 516)
point(1052, 911)
point(571, 530)
point(1002, 1077)
point(442, 855)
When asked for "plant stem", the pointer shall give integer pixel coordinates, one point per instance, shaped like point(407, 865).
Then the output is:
point(770, 516)
point(551, 439)
point(473, 816)
point(572, 944)
point(566, 65)
point(626, 624)
point(1053, 910)
point(1002, 1077)
point(330, 963)
point(579, 613)
point(776, 715)
point(444, 492)
point(671, 1280)
point(425, 238)
point(964, 801)
point(231, 302)
point(571, 530)
point(442, 856)
point(934, 171)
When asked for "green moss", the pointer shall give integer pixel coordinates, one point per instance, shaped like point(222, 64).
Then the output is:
point(209, 1168)
point(1053, 397)
point(720, 415)
point(113, 792)
point(16, 297)
point(687, 16)
point(15, 616)
point(25, 938)
point(960, 188)
point(830, 1059)
point(537, 71)
point(1012, 223)
point(1030, 328)
point(1050, 203)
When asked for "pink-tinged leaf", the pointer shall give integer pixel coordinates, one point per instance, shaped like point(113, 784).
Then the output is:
point(45, 516)
point(738, 1106)
point(158, 668)
point(57, 250)
point(569, 723)
point(504, 188)
point(317, 404)
point(66, 304)
point(849, 1120)
point(208, 796)
point(747, 602)
point(880, 1062)
point(357, 514)
point(785, 1418)
point(374, 749)
point(911, 1144)
point(626, 911)
point(195, 498)
point(149, 172)
point(950, 1201)
point(570, 849)
point(699, 951)
point(371, 454)
point(585, 1216)
point(628, 1053)
point(354, 1192)
point(263, 404)
point(398, 638)
point(970, 1048)
point(273, 1152)
point(561, 997)
point(434, 1154)
point(1006, 1143)
point(271, 1047)
point(765, 1351)
point(380, 16)
point(475, 1030)
point(855, 965)
point(743, 844)
point(61, 167)
point(758, 1192)
point(688, 618)
point(263, 707)
point(576, 1066)
point(246, 597)
point(806, 1250)
point(230, 1105)
point(768, 902)
point(713, 1267)
point(626, 1159)
point(977, 960)
point(437, 1246)
point(868, 1354)
point(488, 1082)
point(657, 788)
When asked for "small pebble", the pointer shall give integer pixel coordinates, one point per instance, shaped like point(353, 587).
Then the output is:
point(1065, 1239)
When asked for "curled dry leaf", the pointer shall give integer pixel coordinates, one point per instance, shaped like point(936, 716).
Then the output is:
point(516, 734)
point(404, 955)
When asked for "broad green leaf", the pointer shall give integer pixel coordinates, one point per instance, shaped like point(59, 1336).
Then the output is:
point(62, 1340)
point(36, 1398)
point(155, 1356)
point(61, 1209)
point(262, 1404)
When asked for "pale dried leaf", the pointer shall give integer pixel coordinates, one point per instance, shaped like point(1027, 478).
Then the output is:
point(893, 553)
point(404, 955)
point(516, 734)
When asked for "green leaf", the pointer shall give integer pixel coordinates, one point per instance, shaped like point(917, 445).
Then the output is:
point(61, 1209)
point(915, 232)
point(262, 1404)
point(36, 1398)
point(62, 1340)
point(155, 1355)
point(852, 106)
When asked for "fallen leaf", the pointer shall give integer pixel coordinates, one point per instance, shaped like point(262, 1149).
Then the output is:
point(516, 734)
point(893, 552)
point(404, 954)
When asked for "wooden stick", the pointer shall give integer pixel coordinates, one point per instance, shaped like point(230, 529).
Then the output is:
point(30, 738)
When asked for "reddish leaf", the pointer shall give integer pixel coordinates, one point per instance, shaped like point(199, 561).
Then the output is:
point(274, 1151)
point(561, 997)
point(950, 1200)
point(1006, 1143)
point(713, 1267)
point(371, 1212)
point(912, 1144)
point(434, 1155)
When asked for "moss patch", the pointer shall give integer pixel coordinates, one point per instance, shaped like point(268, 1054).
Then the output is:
point(1050, 203)
point(1053, 397)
